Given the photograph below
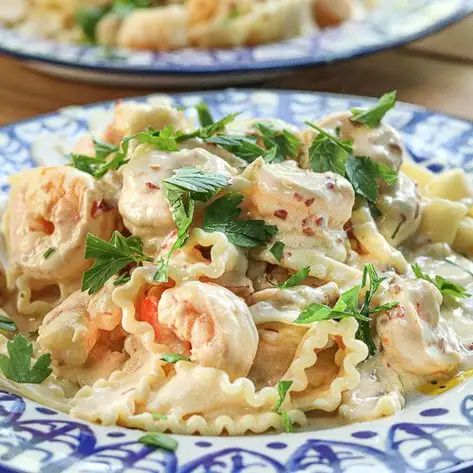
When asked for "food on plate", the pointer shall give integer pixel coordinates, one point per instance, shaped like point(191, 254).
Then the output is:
point(235, 275)
point(174, 24)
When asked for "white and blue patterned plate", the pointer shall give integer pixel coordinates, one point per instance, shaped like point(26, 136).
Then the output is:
point(391, 23)
point(432, 435)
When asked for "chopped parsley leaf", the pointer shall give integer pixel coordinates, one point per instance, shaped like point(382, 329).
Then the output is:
point(17, 365)
point(277, 250)
point(446, 287)
point(205, 117)
point(373, 116)
point(49, 252)
point(110, 258)
point(296, 278)
point(221, 216)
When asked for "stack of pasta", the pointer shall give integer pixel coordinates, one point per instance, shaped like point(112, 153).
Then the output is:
point(236, 276)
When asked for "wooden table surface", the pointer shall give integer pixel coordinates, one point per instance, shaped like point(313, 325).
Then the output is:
point(436, 72)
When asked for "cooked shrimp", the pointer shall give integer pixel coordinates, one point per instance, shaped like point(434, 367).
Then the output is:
point(203, 11)
point(225, 23)
point(412, 339)
point(309, 208)
point(83, 336)
point(400, 208)
point(382, 144)
point(161, 28)
point(132, 117)
point(142, 202)
point(49, 213)
point(332, 12)
point(204, 321)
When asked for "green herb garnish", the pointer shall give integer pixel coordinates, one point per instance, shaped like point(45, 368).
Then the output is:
point(174, 357)
point(283, 388)
point(373, 116)
point(107, 158)
point(205, 117)
point(6, 323)
point(186, 187)
point(159, 440)
point(328, 153)
point(221, 216)
point(244, 147)
point(348, 305)
point(277, 250)
point(296, 278)
point(110, 258)
point(48, 252)
point(17, 365)
point(446, 287)
point(281, 143)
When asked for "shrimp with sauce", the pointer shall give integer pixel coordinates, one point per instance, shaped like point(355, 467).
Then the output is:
point(84, 336)
point(142, 201)
point(410, 334)
point(308, 208)
point(204, 321)
point(382, 144)
point(50, 211)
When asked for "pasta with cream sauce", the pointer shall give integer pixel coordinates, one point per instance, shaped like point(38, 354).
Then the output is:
point(236, 276)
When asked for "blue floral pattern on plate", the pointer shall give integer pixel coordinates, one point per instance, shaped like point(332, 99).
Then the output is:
point(392, 23)
point(433, 434)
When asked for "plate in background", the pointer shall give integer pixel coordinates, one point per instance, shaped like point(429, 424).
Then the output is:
point(391, 23)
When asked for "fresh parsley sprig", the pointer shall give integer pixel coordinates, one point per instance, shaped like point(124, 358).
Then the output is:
point(17, 365)
point(243, 146)
point(205, 117)
point(296, 278)
point(329, 153)
point(446, 287)
point(373, 116)
point(206, 132)
point(222, 216)
point(163, 140)
point(281, 144)
point(110, 258)
point(182, 190)
point(348, 305)
point(283, 388)
point(107, 158)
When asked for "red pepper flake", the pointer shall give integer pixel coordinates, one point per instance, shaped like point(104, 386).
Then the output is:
point(98, 208)
point(308, 231)
point(281, 213)
point(94, 208)
point(299, 197)
point(152, 186)
point(319, 221)
point(396, 312)
point(309, 202)
point(330, 185)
